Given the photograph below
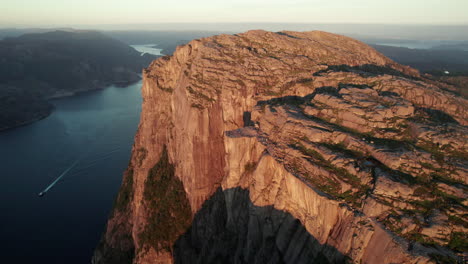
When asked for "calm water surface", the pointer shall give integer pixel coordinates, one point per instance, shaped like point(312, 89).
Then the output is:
point(147, 48)
point(64, 226)
point(415, 44)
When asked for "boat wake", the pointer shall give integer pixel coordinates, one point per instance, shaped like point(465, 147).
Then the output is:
point(80, 171)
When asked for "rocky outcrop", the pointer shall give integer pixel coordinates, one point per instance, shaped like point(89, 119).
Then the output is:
point(291, 148)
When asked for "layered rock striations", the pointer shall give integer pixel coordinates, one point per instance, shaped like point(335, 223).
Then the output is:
point(291, 147)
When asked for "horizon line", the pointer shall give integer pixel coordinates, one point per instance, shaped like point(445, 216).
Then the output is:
point(48, 26)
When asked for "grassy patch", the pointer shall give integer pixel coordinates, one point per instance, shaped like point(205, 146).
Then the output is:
point(141, 154)
point(168, 209)
point(441, 259)
point(167, 89)
point(328, 185)
point(199, 106)
point(420, 238)
point(199, 95)
point(458, 241)
point(340, 147)
point(433, 149)
point(457, 221)
point(250, 167)
point(126, 191)
point(446, 179)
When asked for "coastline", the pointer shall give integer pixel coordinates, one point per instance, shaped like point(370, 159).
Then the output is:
point(59, 95)
point(28, 122)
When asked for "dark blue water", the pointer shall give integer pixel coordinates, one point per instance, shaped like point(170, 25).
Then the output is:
point(65, 225)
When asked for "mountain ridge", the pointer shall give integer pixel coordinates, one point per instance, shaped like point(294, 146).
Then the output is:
point(37, 67)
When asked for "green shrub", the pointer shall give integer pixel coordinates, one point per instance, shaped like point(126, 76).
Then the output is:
point(141, 156)
point(250, 167)
point(441, 259)
point(125, 195)
point(168, 209)
point(458, 241)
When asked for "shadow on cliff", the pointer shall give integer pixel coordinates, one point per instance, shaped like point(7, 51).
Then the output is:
point(229, 228)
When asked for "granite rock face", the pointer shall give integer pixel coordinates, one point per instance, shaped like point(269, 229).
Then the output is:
point(291, 148)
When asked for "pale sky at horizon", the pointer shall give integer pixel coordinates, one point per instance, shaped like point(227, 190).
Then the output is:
point(101, 12)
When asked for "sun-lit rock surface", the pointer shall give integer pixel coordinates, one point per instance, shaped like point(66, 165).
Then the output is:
point(367, 155)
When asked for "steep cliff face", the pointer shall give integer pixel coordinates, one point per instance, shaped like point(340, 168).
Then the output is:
point(289, 148)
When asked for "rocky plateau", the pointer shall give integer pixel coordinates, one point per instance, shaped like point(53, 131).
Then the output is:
point(292, 147)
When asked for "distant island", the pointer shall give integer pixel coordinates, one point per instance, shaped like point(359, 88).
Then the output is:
point(37, 67)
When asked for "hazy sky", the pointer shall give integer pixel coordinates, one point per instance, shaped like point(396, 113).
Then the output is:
point(100, 12)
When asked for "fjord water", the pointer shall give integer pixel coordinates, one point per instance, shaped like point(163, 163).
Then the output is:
point(147, 48)
point(64, 226)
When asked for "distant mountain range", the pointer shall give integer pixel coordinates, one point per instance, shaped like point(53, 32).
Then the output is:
point(456, 46)
point(448, 64)
point(165, 40)
point(436, 60)
point(40, 66)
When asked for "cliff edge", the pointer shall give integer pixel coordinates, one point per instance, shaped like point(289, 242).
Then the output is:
point(291, 147)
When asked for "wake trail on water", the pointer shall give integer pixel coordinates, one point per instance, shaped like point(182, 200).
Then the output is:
point(81, 170)
point(58, 178)
point(94, 163)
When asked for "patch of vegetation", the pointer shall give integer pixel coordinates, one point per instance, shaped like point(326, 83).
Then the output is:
point(363, 222)
point(340, 147)
point(303, 81)
point(420, 191)
point(333, 68)
point(286, 100)
point(420, 238)
point(457, 221)
point(125, 195)
point(199, 95)
point(458, 241)
point(287, 35)
point(425, 207)
point(433, 149)
point(353, 85)
point(439, 116)
point(390, 143)
point(240, 82)
point(250, 167)
point(388, 93)
point(365, 70)
point(166, 89)
point(199, 106)
point(397, 175)
point(446, 179)
point(440, 152)
point(329, 186)
point(168, 209)
point(391, 222)
point(141, 154)
point(273, 93)
point(353, 198)
point(447, 198)
point(441, 259)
